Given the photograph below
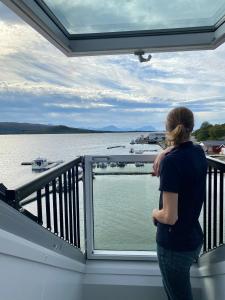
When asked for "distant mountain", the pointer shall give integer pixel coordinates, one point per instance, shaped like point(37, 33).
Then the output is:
point(110, 128)
point(146, 128)
point(28, 128)
point(116, 129)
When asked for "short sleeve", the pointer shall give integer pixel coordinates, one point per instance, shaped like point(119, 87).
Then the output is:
point(169, 176)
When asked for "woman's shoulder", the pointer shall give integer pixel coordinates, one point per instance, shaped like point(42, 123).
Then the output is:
point(170, 158)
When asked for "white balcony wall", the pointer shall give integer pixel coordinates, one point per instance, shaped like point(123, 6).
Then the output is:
point(48, 269)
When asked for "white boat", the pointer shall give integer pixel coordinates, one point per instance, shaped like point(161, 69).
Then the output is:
point(39, 164)
point(139, 151)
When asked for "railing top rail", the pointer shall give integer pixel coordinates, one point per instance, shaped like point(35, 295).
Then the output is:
point(216, 163)
point(131, 158)
point(38, 183)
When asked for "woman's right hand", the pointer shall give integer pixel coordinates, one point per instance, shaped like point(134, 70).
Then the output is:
point(159, 158)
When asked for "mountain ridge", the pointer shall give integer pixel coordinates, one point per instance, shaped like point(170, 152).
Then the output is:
point(114, 128)
point(30, 128)
point(33, 128)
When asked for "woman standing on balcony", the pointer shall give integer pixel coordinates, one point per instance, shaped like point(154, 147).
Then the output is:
point(182, 169)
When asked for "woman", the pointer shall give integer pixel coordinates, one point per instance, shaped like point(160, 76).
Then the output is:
point(182, 168)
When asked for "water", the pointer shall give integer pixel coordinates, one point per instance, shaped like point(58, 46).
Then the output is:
point(122, 204)
point(15, 149)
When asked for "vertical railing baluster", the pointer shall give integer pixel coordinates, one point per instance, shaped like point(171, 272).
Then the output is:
point(74, 209)
point(215, 208)
point(54, 199)
point(77, 207)
point(61, 219)
point(66, 207)
point(205, 224)
point(221, 225)
point(70, 207)
point(209, 206)
point(39, 208)
point(48, 213)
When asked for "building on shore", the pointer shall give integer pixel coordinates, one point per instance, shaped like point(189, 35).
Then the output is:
point(222, 149)
point(213, 146)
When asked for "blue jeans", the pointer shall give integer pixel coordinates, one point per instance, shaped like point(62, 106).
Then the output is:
point(175, 269)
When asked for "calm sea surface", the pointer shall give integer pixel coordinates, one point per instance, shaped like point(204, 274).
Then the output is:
point(122, 204)
point(15, 149)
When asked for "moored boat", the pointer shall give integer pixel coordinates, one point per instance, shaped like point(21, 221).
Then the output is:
point(39, 164)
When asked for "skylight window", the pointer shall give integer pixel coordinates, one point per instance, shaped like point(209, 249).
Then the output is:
point(102, 16)
point(97, 27)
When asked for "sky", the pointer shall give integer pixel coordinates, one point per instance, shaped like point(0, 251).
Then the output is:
point(39, 84)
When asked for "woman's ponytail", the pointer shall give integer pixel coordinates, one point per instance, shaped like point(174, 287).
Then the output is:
point(180, 123)
point(177, 135)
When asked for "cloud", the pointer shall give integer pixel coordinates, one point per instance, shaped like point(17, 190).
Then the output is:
point(84, 106)
point(37, 82)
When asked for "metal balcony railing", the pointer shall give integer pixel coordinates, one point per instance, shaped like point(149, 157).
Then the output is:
point(55, 196)
point(213, 209)
point(55, 200)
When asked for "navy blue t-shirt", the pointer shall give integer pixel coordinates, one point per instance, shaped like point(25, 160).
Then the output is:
point(183, 171)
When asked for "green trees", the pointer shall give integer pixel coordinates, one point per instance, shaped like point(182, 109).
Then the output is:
point(208, 131)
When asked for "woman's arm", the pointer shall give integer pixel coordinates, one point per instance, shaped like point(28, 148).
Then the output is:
point(169, 213)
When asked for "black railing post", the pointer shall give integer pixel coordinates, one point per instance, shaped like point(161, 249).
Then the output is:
point(204, 224)
point(74, 209)
point(215, 208)
point(39, 208)
point(61, 218)
point(10, 198)
point(70, 207)
point(3, 190)
point(48, 213)
point(209, 206)
point(55, 211)
point(65, 206)
point(77, 206)
point(221, 225)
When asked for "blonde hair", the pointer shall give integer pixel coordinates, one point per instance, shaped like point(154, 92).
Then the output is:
point(179, 125)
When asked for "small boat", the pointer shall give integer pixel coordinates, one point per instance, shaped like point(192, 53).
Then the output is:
point(40, 164)
point(139, 151)
point(103, 165)
point(121, 164)
point(139, 164)
point(113, 164)
point(112, 147)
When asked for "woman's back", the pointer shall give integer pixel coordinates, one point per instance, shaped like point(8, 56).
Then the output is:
point(183, 171)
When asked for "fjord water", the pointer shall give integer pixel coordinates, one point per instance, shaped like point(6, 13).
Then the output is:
point(122, 204)
point(15, 149)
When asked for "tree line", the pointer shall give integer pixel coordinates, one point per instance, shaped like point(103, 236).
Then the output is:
point(208, 131)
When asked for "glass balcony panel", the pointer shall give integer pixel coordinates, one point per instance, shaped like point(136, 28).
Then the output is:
point(123, 199)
